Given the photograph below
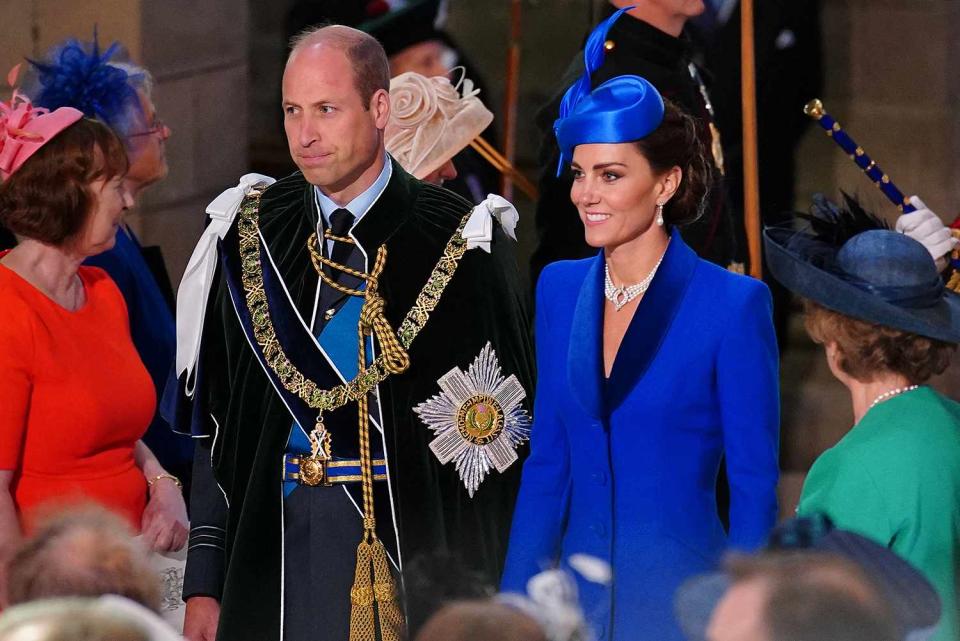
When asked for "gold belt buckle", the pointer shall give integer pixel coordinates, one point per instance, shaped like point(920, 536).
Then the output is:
point(313, 470)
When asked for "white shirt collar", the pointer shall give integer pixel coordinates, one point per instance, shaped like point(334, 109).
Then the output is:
point(363, 202)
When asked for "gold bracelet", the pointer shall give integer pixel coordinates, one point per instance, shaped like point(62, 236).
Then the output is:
point(156, 478)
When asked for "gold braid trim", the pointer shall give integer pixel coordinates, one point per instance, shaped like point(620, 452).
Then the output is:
point(377, 372)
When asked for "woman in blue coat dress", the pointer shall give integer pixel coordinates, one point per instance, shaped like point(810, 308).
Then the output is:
point(654, 366)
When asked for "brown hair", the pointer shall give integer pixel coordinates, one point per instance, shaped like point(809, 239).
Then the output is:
point(371, 69)
point(86, 551)
point(675, 143)
point(480, 620)
point(867, 349)
point(48, 198)
point(813, 596)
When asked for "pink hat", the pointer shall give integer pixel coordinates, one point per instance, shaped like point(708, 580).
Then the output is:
point(25, 128)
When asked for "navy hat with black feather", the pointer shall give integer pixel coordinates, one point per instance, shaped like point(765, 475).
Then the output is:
point(849, 261)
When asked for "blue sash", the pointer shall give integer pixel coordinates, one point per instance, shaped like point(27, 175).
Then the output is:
point(302, 349)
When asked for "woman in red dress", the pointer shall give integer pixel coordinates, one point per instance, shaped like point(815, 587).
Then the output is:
point(74, 396)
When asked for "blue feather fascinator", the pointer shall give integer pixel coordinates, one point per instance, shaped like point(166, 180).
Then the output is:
point(622, 109)
point(79, 75)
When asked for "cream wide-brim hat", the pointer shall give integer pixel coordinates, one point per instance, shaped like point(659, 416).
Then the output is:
point(430, 121)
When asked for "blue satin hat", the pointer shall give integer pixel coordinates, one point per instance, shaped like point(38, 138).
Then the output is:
point(622, 109)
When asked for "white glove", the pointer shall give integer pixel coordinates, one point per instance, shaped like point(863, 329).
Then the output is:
point(925, 227)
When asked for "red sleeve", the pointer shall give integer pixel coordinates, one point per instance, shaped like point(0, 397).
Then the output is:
point(16, 383)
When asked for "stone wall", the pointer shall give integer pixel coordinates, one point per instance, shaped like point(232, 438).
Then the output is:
point(892, 82)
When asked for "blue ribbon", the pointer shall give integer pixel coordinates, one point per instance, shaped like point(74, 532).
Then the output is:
point(919, 296)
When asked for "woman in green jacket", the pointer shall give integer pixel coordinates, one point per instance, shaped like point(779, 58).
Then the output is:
point(875, 300)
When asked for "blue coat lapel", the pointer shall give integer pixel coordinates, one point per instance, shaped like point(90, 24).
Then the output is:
point(585, 360)
point(651, 321)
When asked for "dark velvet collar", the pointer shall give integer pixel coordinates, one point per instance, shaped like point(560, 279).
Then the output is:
point(640, 345)
point(289, 214)
point(384, 217)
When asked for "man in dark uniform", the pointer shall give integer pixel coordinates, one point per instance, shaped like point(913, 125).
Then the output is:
point(789, 73)
point(288, 481)
point(646, 42)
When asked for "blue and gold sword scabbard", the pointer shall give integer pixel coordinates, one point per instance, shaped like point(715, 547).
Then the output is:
point(815, 110)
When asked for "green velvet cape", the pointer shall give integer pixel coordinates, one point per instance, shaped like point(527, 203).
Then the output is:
point(434, 514)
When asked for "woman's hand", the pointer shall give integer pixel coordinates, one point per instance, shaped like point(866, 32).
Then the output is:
point(165, 525)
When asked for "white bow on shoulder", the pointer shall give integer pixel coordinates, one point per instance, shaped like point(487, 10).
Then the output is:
point(198, 277)
point(478, 232)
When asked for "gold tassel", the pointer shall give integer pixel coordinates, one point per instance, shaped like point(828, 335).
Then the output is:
point(385, 594)
point(373, 582)
point(362, 624)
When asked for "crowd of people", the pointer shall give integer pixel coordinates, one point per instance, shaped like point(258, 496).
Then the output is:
point(376, 432)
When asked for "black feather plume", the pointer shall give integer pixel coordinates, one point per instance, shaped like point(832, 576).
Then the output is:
point(836, 225)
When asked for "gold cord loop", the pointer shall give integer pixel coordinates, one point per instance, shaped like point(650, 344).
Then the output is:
point(373, 582)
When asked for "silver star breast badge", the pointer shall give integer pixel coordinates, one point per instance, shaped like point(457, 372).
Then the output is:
point(477, 419)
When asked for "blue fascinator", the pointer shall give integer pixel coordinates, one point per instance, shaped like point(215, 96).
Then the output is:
point(622, 109)
point(77, 74)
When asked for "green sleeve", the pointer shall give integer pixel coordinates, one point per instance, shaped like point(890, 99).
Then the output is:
point(847, 493)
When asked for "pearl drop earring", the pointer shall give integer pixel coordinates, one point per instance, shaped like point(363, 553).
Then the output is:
point(659, 218)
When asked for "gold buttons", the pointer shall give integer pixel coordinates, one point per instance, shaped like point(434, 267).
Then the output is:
point(609, 45)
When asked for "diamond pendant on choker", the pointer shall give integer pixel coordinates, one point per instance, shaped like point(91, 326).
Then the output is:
point(890, 394)
point(623, 294)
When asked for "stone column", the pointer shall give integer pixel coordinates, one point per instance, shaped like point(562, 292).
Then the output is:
point(891, 81)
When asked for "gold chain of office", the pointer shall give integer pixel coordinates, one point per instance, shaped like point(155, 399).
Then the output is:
point(292, 379)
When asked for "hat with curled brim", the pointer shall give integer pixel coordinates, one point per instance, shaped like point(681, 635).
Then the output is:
point(848, 262)
point(431, 120)
point(24, 128)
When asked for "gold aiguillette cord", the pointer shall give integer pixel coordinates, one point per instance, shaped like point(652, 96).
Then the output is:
point(373, 583)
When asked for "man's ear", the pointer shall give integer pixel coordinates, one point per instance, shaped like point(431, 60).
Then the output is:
point(380, 107)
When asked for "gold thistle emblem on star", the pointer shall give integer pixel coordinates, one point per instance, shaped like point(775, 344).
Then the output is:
point(477, 419)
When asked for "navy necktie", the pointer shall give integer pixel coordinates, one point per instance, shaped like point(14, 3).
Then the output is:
point(347, 254)
point(341, 221)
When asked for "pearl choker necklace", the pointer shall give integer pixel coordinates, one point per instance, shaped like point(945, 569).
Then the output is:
point(894, 392)
point(622, 295)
